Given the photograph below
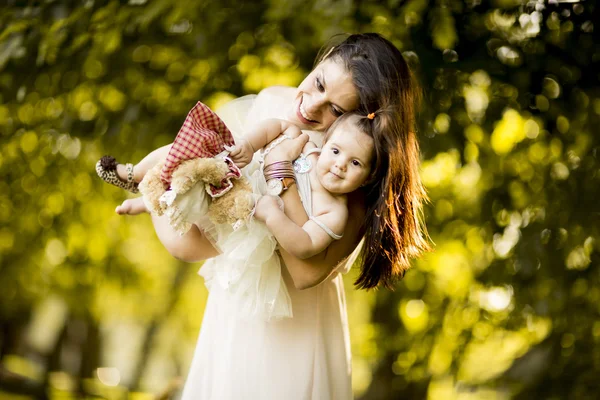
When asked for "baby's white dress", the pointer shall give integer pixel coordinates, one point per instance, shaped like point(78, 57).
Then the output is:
point(240, 355)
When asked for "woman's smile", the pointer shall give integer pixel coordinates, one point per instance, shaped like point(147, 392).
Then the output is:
point(303, 115)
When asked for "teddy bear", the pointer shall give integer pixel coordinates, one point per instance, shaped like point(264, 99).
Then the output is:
point(232, 207)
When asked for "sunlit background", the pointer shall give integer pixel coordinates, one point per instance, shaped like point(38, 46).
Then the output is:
point(506, 306)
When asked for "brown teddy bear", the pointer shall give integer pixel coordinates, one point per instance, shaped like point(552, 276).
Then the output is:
point(231, 207)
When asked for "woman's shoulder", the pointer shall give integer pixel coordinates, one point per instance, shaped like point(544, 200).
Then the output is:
point(277, 91)
point(272, 102)
point(235, 112)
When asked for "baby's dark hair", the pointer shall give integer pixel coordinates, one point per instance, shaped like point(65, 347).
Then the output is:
point(394, 228)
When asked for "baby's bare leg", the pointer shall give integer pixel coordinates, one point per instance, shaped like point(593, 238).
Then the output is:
point(132, 207)
point(191, 247)
point(140, 169)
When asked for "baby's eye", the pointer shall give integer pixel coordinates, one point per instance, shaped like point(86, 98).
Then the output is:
point(334, 150)
point(356, 163)
point(319, 85)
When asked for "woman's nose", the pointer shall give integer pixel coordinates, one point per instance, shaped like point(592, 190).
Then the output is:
point(316, 104)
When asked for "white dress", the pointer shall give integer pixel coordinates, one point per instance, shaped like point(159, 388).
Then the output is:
point(303, 357)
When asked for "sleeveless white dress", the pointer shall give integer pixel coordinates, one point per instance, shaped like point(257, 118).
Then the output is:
point(306, 357)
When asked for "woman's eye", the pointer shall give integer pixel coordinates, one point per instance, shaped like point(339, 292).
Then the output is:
point(336, 112)
point(319, 85)
point(335, 151)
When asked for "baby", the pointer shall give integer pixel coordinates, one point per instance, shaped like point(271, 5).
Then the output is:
point(248, 265)
point(344, 165)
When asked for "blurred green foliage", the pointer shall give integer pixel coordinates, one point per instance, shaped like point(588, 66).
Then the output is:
point(507, 304)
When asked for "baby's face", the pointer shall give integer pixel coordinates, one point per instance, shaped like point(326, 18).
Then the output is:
point(345, 161)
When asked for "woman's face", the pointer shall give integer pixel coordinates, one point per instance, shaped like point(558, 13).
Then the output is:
point(325, 94)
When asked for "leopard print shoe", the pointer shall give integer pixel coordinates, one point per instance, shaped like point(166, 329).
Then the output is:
point(106, 168)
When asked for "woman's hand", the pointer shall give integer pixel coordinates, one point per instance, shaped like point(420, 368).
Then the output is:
point(288, 150)
point(267, 205)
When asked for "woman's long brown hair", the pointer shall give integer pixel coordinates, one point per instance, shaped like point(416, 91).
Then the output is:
point(394, 227)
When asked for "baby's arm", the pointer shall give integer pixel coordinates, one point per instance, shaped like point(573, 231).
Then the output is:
point(302, 242)
point(258, 137)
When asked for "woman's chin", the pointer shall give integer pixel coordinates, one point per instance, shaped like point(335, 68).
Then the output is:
point(292, 117)
point(296, 121)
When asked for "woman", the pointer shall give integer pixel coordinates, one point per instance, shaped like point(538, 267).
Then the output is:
point(307, 356)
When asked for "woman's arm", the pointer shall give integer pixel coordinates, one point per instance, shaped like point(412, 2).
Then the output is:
point(312, 271)
point(293, 206)
point(301, 241)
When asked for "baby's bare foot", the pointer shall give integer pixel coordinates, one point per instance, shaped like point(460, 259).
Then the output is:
point(122, 172)
point(132, 207)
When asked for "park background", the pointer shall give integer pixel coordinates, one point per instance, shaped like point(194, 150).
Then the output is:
point(506, 306)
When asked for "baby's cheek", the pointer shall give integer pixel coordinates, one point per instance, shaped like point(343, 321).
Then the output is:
point(364, 179)
point(322, 167)
point(323, 161)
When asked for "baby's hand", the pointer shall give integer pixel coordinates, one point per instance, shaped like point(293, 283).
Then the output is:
point(266, 206)
point(242, 153)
